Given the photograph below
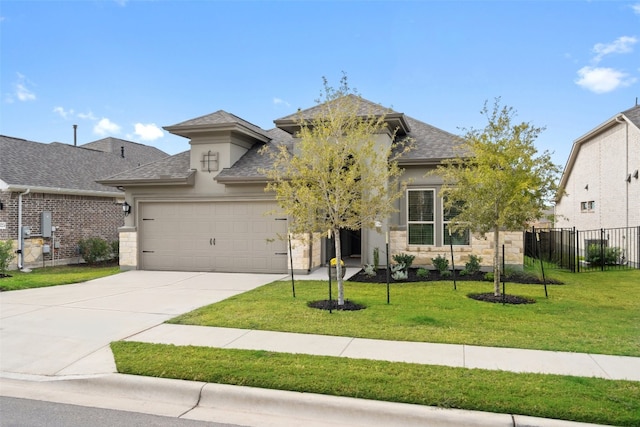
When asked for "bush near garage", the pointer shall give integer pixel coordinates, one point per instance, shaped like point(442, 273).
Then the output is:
point(94, 250)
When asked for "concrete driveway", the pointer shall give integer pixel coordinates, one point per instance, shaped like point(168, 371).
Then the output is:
point(66, 330)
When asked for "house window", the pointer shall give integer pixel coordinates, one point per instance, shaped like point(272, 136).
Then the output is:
point(457, 238)
point(421, 217)
point(588, 206)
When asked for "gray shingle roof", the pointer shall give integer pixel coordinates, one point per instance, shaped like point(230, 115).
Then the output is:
point(219, 119)
point(430, 145)
point(365, 108)
point(139, 153)
point(170, 169)
point(57, 166)
point(633, 114)
point(249, 165)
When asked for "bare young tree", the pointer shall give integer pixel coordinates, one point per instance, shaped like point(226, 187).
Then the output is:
point(340, 174)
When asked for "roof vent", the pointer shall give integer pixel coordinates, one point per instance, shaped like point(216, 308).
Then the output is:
point(122, 152)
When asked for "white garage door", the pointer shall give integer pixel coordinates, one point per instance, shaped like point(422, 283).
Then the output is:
point(212, 236)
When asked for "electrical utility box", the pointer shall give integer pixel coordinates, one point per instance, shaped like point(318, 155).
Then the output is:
point(45, 223)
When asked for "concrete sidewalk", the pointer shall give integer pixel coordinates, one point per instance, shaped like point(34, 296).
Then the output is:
point(462, 356)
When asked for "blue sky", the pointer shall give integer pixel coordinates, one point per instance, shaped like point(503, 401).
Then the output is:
point(128, 68)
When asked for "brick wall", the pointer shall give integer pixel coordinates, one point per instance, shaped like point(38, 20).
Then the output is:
point(75, 218)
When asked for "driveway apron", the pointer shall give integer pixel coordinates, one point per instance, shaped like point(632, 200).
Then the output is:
point(66, 330)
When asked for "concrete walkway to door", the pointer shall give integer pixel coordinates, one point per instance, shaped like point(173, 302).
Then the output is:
point(66, 330)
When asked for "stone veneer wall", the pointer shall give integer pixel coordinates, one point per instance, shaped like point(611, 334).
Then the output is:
point(128, 248)
point(75, 218)
point(483, 247)
point(306, 253)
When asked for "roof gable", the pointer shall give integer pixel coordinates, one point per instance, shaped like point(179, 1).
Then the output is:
point(395, 120)
point(218, 121)
point(631, 116)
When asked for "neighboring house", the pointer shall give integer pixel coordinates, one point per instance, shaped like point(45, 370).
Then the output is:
point(50, 192)
point(601, 182)
point(206, 209)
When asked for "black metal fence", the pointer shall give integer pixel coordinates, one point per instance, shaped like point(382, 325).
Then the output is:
point(574, 250)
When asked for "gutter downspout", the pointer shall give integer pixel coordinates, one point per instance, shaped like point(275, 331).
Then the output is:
point(20, 236)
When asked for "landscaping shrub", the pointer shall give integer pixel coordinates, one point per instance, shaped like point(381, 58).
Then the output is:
point(422, 273)
point(405, 259)
point(370, 271)
point(94, 250)
point(609, 256)
point(472, 266)
point(399, 272)
point(441, 263)
point(115, 249)
point(6, 255)
point(376, 258)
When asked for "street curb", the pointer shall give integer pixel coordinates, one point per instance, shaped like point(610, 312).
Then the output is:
point(356, 412)
point(252, 406)
point(157, 396)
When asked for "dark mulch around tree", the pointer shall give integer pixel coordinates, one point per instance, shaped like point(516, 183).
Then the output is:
point(333, 304)
point(381, 277)
point(507, 299)
point(2, 276)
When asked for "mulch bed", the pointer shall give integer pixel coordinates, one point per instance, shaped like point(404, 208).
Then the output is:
point(506, 298)
point(381, 277)
point(515, 277)
point(333, 305)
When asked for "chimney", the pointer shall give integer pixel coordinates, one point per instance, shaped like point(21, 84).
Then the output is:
point(75, 135)
point(122, 152)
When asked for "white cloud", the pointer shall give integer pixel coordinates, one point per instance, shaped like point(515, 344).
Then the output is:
point(22, 91)
point(63, 113)
point(603, 80)
point(622, 44)
point(106, 127)
point(87, 116)
point(278, 101)
point(149, 132)
point(636, 8)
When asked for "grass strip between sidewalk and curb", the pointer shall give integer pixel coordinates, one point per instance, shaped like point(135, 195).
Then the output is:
point(580, 399)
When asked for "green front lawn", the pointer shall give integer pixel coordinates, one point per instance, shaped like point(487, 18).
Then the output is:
point(54, 276)
point(592, 312)
point(550, 396)
point(595, 312)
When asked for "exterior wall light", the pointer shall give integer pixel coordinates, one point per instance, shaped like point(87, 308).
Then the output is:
point(126, 208)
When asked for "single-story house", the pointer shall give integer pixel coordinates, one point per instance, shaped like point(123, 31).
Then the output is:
point(601, 180)
point(206, 209)
point(50, 200)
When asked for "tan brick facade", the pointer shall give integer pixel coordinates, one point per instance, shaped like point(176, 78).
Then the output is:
point(483, 247)
point(128, 248)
